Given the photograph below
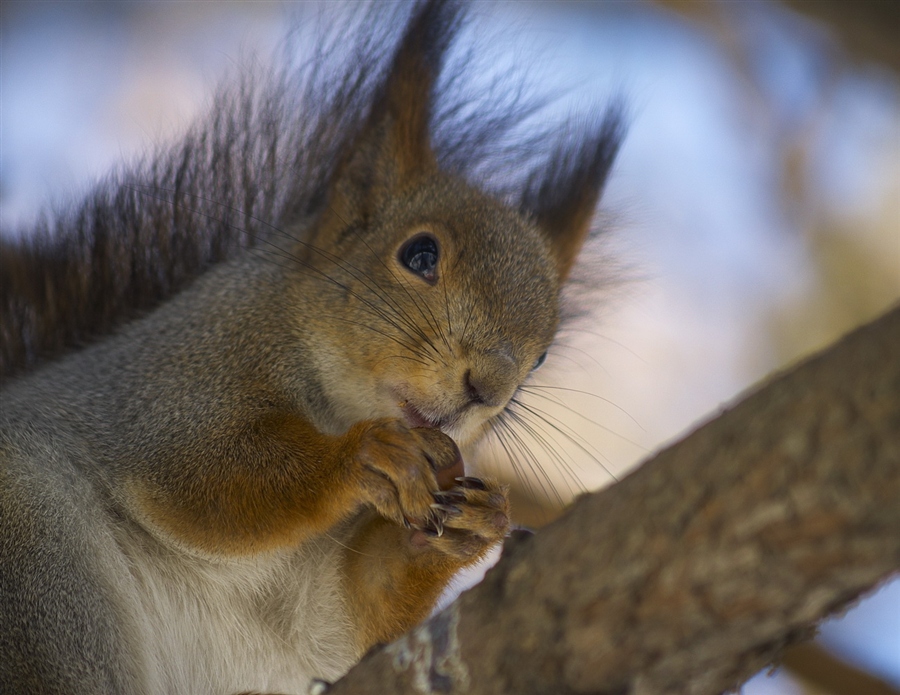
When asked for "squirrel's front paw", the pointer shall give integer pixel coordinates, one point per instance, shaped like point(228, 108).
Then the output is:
point(400, 469)
point(475, 516)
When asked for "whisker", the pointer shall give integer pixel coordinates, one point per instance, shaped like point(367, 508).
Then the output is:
point(586, 331)
point(412, 299)
point(568, 433)
point(499, 431)
point(404, 283)
point(539, 475)
point(552, 451)
point(429, 367)
point(468, 319)
point(447, 311)
point(386, 335)
point(533, 389)
point(564, 346)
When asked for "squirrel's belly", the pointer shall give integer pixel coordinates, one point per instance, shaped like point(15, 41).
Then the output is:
point(265, 624)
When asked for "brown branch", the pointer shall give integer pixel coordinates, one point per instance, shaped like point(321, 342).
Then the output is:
point(865, 30)
point(868, 29)
point(699, 568)
point(828, 674)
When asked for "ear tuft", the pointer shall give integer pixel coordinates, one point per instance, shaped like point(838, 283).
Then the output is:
point(562, 193)
point(394, 143)
point(403, 103)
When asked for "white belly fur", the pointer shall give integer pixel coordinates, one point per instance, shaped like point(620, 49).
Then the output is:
point(268, 623)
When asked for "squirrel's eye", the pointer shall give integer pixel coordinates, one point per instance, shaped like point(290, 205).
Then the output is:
point(539, 361)
point(420, 255)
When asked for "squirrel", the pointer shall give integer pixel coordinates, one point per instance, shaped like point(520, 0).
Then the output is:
point(241, 378)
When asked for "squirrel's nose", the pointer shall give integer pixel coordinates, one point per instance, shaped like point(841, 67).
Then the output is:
point(491, 379)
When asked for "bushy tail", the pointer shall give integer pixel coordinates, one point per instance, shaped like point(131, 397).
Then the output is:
point(259, 164)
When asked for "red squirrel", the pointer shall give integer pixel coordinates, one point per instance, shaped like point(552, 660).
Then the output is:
point(237, 378)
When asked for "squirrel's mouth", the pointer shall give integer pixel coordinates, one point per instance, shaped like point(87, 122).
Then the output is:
point(416, 414)
point(416, 418)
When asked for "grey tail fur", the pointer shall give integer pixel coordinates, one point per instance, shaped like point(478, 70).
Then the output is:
point(258, 163)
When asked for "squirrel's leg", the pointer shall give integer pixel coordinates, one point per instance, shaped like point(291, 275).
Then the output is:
point(394, 575)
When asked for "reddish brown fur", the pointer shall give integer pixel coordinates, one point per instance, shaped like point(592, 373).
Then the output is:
point(395, 575)
point(280, 482)
point(281, 398)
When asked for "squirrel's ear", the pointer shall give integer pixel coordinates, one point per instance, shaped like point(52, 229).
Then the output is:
point(394, 144)
point(562, 193)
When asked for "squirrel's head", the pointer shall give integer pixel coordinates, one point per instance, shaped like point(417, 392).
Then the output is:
point(435, 299)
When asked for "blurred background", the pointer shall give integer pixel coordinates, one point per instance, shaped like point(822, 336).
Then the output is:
point(754, 211)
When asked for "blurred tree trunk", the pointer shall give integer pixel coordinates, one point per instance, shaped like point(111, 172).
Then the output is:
point(868, 29)
point(827, 674)
point(699, 568)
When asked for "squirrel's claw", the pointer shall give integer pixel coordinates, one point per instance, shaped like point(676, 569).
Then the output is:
point(470, 483)
point(451, 497)
point(447, 509)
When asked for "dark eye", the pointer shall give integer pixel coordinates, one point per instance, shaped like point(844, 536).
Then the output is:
point(420, 255)
point(539, 361)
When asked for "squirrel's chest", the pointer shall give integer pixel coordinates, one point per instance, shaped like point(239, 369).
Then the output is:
point(267, 626)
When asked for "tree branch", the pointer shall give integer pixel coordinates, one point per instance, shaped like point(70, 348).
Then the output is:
point(868, 29)
point(696, 570)
point(817, 667)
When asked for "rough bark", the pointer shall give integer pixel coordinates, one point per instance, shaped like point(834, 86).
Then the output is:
point(696, 570)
